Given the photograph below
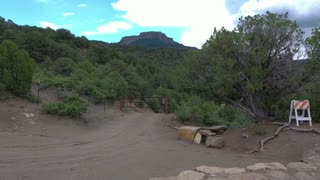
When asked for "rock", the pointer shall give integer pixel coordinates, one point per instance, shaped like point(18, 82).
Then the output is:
point(199, 138)
point(264, 166)
point(164, 178)
point(248, 176)
point(303, 176)
point(209, 170)
point(190, 175)
point(215, 178)
point(215, 142)
point(207, 133)
point(187, 133)
point(215, 128)
point(312, 156)
point(218, 170)
point(234, 170)
point(28, 115)
point(245, 135)
point(278, 175)
point(300, 166)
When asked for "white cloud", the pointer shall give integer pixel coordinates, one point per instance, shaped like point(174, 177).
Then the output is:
point(112, 27)
point(68, 14)
point(45, 24)
point(82, 5)
point(198, 17)
point(301, 7)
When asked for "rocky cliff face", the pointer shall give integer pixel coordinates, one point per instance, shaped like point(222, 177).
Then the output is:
point(151, 39)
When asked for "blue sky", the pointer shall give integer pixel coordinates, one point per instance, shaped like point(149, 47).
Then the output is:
point(190, 22)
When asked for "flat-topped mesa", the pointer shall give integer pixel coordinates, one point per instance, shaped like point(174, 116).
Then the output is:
point(152, 39)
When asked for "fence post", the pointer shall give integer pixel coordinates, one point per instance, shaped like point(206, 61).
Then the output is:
point(166, 104)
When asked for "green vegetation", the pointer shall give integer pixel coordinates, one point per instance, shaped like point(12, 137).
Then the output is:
point(71, 106)
point(15, 69)
point(247, 74)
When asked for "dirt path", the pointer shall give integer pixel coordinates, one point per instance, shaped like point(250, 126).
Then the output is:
point(114, 145)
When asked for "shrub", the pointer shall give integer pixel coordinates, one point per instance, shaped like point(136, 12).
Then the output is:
point(154, 104)
point(32, 98)
point(174, 97)
point(195, 109)
point(16, 69)
point(74, 105)
point(259, 129)
point(71, 106)
point(52, 108)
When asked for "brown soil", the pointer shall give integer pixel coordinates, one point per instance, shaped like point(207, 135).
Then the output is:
point(120, 145)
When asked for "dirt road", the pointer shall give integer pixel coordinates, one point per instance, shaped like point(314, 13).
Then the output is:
point(113, 145)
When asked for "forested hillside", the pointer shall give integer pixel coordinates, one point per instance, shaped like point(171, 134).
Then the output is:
point(237, 76)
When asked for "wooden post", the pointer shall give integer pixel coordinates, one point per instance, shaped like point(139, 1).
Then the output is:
point(166, 104)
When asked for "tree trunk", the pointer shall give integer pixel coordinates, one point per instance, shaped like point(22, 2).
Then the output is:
point(256, 104)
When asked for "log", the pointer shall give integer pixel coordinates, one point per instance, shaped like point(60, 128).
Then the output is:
point(284, 127)
point(264, 141)
point(303, 130)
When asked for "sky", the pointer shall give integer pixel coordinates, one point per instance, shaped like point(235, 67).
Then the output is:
point(190, 22)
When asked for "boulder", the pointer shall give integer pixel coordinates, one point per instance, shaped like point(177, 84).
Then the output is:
point(213, 171)
point(312, 156)
point(187, 133)
point(215, 142)
point(303, 176)
point(207, 133)
point(264, 166)
point(190, 175)
point(248, 176)
point(200, 139)
point(278, 175)
point(164, 178)
point(300, 166)
point(216, 128)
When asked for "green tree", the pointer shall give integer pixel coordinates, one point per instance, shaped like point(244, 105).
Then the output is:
point(16, 68)
point(64, 66)
point(313, 50)
point(250, 66)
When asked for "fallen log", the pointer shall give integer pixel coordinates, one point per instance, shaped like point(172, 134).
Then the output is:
point(283, 127)
point(264, 141)
point(302, 130)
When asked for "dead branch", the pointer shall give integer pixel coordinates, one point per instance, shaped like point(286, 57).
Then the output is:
point(303, 130)
point(283, 127)
point(264, 141)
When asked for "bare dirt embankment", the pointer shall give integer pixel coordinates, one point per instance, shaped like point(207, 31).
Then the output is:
point(117, 145)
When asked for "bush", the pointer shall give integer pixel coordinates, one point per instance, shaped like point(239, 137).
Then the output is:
point(259, 129)
point(32, 98)
point(154, 104)
point(52, 108)
point(173, 96)
point(195, 109)
point(71, 106)
point(74, 106)
point(16, 69)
